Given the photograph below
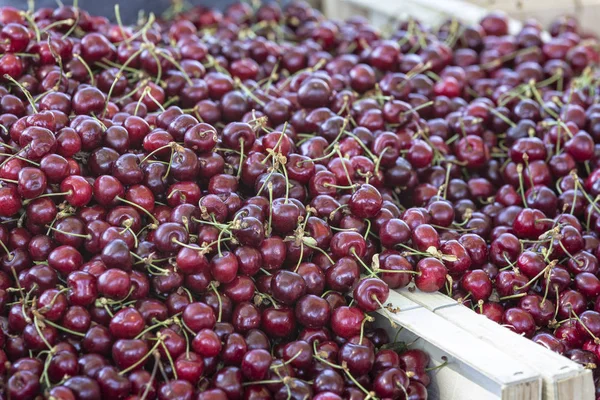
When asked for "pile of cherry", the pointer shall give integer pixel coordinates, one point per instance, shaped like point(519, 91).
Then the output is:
point(213, 206)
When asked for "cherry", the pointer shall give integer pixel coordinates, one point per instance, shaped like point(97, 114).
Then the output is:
point(371, 293)
point(478, 284)
point(9, 200)
point(255, 364)
point(431, 275)
point(83, 387)
point(278, 322)
point(358, 358)
point(287, 287)
point(542, 310)
point(126, 324)
point(391, 382)
point(224, 267)
point(520, 321)
point(505, 249)
point(198, 316)
point(229, 380)
point(23, 385)
point(207, 343)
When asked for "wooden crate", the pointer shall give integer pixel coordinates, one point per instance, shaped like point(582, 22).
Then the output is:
point(562, 378)
point(384, 13)
point(586, 11)
point(476, 370)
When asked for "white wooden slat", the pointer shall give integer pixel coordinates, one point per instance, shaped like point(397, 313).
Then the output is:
point(496, 375)
point(563, 379)
point(432, 12)
point(453, 381)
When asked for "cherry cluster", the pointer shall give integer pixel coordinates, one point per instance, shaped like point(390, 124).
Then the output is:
point(212, 206)
point(172, 227)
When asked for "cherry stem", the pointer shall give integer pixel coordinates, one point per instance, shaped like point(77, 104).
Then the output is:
point(521, 186)
point(327, 184)
point(44, 377)
point(119, 21)
point(69, 193)
point(376, 169)
point(301, 256)
point(287, 184)
point(362, 329)
point(149, 94)
point(339, 153)
point(168, 354)
point(152, 377)
point(387, 313)
point(166, 322)
point(417, 108)
point(117, 77)
point(36, 324)
point(88, 236)
point(174, 240)
point(335, 142)
point(158, 271)
point(413, 251)
point(260, 297)
point(395, 271)
point(178, 66)
point(596, 340)
point(8, 253)
point(46, 321)
point(265, 382)
point(503, 117)
point(215, 224)
point(67, 21)
point(88, 69)
point(583, 191)
point(34, 26)
point(439, 366)
point(547, 288)
point(24, 90)
point(513, 296)
point(361, 387)
point(298, 354)
point(269, 228)
point(239, 171)
point(49, 305)
point(322, 252)
point(248, 92)
point(361, 144)
point(214, 288)
point(535, 278)
point(556, 305)
point(133, 204)
point(170, 145)
point(141, 360)
point(143, 30)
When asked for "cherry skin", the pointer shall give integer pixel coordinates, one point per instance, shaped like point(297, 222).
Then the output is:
point(198, 316)
point(287, 287)
point(126, 324)
point(366, 202)
point(371, 293)
point(520, 321)
point(346, 321)
point(478, 284)
point(431, 275)
point(255, 364)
